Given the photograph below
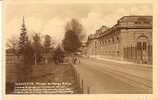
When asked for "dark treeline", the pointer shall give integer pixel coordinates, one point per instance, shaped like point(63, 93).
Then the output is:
point(33, 50)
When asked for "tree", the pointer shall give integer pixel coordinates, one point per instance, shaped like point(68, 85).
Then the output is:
point(24, 46)
point(47, 47)
point(23, 39)
point(47, 43)
point(73, 36)
point(37, 47)
point(71, 42)
point(29, 54)
point(13, 44)
point(58, 55)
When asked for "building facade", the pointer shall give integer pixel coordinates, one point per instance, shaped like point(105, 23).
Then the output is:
point(130, 39)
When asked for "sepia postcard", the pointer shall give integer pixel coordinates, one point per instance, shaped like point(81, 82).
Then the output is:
point(94, 50)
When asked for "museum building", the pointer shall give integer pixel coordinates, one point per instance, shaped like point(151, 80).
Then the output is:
point(130, 40)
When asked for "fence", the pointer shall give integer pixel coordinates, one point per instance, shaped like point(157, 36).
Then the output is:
point(138, 54)
point(83, 89)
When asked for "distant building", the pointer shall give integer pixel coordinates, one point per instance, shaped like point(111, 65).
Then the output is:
point(11, 57)
point(130, 39)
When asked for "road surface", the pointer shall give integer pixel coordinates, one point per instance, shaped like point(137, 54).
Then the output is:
point(109, 77)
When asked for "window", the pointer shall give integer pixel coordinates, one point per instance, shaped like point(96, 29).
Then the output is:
point(109, 41)
point(138, 22)
point(144, 45)
point(146, 22)
point(117, 38)
point(118, 52)
point(113, 40)
point(100, 43)
point(139, 45)
point(104, 41)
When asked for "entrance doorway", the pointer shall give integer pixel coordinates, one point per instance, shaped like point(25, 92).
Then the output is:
point(142, 49)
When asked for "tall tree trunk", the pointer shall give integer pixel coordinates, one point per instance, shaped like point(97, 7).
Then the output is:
point(35, 59)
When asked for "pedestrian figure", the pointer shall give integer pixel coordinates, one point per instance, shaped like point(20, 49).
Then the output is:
point(76, 60)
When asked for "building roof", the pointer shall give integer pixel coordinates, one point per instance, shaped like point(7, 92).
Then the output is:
point(147, 23)
point(135, 18)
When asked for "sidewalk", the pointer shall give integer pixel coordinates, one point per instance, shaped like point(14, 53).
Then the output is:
point(118, 61)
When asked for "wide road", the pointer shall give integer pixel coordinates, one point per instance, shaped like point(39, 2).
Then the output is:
point(109, 77)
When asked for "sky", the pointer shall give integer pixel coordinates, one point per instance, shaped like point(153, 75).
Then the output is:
point(51, 19)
